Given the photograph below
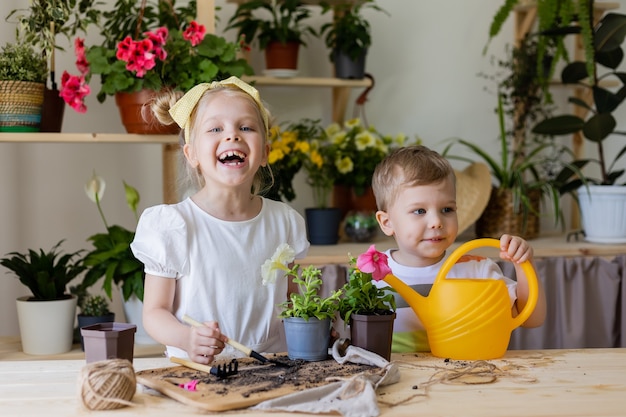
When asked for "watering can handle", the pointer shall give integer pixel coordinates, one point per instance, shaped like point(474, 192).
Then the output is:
point(533, 286)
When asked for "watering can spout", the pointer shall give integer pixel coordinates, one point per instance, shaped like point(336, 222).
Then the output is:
point(414, 299)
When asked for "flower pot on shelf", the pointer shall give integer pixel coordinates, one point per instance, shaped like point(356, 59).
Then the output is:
point(500, 217)
point(46, 327)
point(346, 199)
point(20, 106)
point(52, 111)
point(322, 225)
point(603, 213)
point(282, 56)
point(361, 226)
point(139, 119)
point(109, 341)
point(349, 68)
point(373, 332)
point(307, 339)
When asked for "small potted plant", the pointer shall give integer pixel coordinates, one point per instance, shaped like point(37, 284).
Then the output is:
point(113, 259)
point(366, 307)
point(307, 316)
point(278, 26)
point(93, 310)
point(348, 36)
point(46, 318)
point(22, 81)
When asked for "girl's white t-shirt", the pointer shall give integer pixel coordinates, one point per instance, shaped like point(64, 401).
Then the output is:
point(217, 267)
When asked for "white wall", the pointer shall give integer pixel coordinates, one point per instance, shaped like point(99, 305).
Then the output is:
point(425, 59)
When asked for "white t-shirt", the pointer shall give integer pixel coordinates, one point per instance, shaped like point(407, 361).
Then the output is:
point(217, 267)
point(408, 336)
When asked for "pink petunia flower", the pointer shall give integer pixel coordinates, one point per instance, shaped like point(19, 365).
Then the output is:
point(374, 262)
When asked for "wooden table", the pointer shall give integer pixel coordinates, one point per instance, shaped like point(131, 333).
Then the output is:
point(528, 383)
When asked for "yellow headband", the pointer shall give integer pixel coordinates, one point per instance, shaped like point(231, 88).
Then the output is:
point(181, 111)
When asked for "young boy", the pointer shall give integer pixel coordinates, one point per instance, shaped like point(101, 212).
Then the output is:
point(415, 191)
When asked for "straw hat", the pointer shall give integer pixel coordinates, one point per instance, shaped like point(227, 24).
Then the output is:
point(473, 188)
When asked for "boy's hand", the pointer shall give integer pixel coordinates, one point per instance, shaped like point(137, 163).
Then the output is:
point(515, 249)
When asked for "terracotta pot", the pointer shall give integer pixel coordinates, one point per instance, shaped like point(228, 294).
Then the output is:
point(139, 119)
point(346, 199)
point(500, 217)
point(373, 332)
point(282, 56)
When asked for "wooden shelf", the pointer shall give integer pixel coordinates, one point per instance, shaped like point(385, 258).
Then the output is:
point(308, 82)
point(37, 137)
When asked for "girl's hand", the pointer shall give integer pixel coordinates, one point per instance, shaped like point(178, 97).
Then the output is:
point(205, 342)
point(515, 249)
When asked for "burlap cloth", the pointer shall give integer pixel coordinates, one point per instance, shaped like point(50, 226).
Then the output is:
point(353, 397)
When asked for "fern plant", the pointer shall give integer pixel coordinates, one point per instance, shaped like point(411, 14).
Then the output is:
point(46, 274)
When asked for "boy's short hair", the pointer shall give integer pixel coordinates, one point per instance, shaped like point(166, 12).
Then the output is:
point(406, 167)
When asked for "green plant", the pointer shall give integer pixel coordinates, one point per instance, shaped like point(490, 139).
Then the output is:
point(282, 21)
point(609, 35)
point(555, 18)
point(307, 302)
point(349, 32)
point(151, 45)
point(361, 295)
point(355, 150)
point(287, 151)
point(20, 62)
point(112, 257)
point(46, 274)
point(95, 306)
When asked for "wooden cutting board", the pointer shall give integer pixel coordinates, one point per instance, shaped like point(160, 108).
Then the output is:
point(251, 385)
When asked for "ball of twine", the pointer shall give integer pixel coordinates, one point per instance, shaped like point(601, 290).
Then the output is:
point(108, 384)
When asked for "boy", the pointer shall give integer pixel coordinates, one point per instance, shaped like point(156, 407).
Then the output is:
point(415, 191)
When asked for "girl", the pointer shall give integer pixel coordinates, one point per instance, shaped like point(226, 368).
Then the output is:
point(203, 256)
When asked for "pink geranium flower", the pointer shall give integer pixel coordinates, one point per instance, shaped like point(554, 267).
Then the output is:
point(374, 262)
point(74, 89)
point(194, 33)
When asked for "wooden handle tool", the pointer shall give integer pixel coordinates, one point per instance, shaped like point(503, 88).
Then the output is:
point(242, 348)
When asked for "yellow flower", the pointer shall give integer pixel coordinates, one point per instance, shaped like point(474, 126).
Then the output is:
point(344, 165)
point(352, 123)
point(275, 156)
point(332, 128)
point(302, 146)
point(364, 140)
point(316, 159)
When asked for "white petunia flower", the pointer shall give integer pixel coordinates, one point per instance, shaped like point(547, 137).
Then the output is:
point(283, 256)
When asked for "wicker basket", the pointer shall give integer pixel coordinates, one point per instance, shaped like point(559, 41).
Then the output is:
point(20, 106)
point(500, 217)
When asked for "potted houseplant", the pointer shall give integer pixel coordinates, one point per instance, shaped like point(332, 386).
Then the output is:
point(113, 260)
point(307, 316)
point(366, 307)
point(594, 194)
point(149, 46)
point(46, 318)
point(348, 37)
point(519, 173)
point(93, 310)
point(41, 23)
point(22, 81)
point(356, 149)
point(278, 26)
point(322, 221)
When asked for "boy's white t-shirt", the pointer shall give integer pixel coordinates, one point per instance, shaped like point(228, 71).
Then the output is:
point(408, 334)
point(217, 267)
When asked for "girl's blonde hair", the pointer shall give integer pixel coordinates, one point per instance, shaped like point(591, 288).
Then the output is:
point(160, 107)
point(407, 167)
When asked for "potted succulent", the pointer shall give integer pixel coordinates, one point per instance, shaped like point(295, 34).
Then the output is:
point(42, 22)
point(307, 316)
point(148, 46)
point(522, 172)
point(46, 318)
point(278, 26)
point(93, 310)
point(595, 194)
point(348, 36)
point(366, 307)
point(22, 81)
point(113, 260)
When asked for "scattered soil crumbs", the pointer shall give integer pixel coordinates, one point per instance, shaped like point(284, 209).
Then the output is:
point(253, 378)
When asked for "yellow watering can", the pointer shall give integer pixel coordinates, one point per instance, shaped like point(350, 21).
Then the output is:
point(468, 318)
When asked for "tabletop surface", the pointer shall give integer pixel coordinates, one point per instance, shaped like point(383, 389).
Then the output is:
point(582, 382)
